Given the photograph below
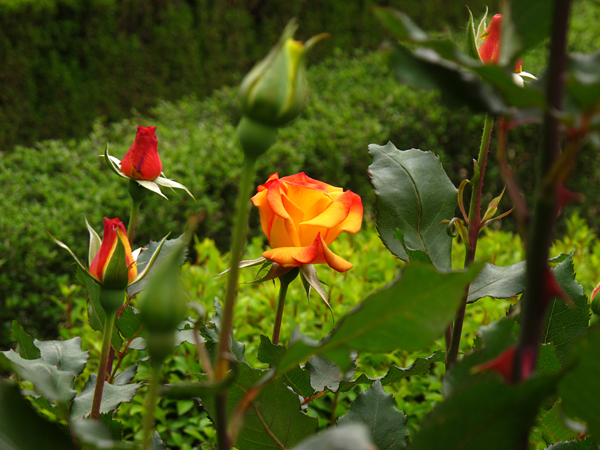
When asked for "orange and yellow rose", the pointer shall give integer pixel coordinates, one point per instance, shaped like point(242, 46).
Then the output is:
point(301, 217)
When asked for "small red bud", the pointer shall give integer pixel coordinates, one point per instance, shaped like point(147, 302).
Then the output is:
point(502, 364)
point(565, 196)
point(553, 290)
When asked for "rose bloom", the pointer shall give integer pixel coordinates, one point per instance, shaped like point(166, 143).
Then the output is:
point(141, 162)
point(302, 217)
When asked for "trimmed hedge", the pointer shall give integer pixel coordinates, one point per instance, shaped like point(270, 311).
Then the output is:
point(64, 63)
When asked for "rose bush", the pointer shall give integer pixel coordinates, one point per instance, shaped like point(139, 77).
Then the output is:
point(301, 217)
point(114, 265)
point(141, 162)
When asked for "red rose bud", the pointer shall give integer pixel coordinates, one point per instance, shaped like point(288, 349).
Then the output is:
point(489, 50)
point(113, 265)
point(553, 290)
point(142, 162)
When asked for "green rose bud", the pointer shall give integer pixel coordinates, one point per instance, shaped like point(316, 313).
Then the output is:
point(275, 90)
point(163, 304)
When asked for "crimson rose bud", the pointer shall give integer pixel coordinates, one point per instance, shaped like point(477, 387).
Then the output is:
point(114, 266)
point(489, 51)
point(142, 162)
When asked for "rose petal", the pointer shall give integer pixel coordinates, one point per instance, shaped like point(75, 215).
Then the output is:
point(334, 261)
point(351, 224)
point(335, 214)
point(266, 213)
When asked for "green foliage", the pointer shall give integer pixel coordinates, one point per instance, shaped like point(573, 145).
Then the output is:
point(375, 409)
point(414, 194)
point(68, 62)
point(18, 419)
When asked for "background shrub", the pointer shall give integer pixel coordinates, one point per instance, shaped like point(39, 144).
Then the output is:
point(53, 185)
point(65, 63)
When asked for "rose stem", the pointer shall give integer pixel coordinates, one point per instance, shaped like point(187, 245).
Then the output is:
point(474, 229)
point(285, 281)
point(138, 193)
point(151, 406)
point(109, 323)
point(237, 247)
point(540, 232)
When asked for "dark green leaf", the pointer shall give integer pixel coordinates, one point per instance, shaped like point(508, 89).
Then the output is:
point(156, 443)
point(344, 437)
point(325, 374)
point(112, 397)
point(377, 410)
point(564, 322)
point(585, 444)
point(420, 367)
point(413, 255)
point(583, 80)
point(550, 427)
point(146, 255)
point(126, 376)
point(275, 406)
point(502, 80)
point(96, 314)
point(96, 436)
point(498, 282)
point(65, 355)
point(26, 347)
point(21, 428)
point(425, 68)
point(211, 334)
point(487, 415)
point(531, 20)
point(414, 194)
point(298, 379)
point(408, 314)
point(580, 387)
point(129, 323)
point(54, 384)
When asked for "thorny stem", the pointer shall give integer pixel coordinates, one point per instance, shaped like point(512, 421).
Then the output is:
point(109, 323)
point(474, 229)
point(333, 407)
point(540, 232)
point(151, 407)
point(237, 248)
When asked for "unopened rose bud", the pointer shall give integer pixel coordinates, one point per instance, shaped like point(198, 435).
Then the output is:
point(141, 162)
point(163, 305)
point(274, 92)
point(489, 50)
point(114, 266)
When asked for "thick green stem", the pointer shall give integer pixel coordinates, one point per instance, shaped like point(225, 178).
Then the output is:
point(474, 229)
point(135, 209)
point(109, 323)
point(138, 193)
point(151, 399)
point(237, 248)
point(279, 315)
point(542, 227)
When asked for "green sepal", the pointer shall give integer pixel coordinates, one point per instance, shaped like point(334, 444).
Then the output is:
point(137, 192)
point(472, 38)
point(493, 207)
point(111, 299)
point(255, 137)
